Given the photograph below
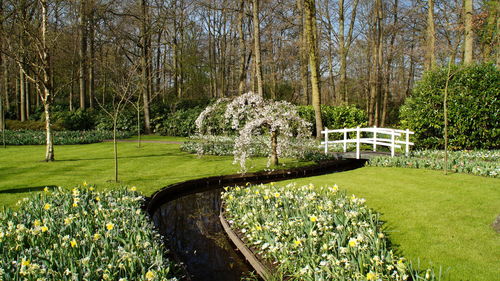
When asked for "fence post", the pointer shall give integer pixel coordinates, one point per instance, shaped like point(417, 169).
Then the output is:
point(326, 140)
point(407, 146)
point(345, 140)
point(357, 143)
point(374, 138)
point(392, 143)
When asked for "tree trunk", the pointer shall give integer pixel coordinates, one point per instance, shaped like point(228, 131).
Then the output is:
point(431, 38)
point(115, 147)
point(91, 59)
point(22, 95)
point(388, 71)
point(469, 35)
point(303, 55)
point(82, 52)
point(241, 37)
point(145, 66)
point(375, 76)
point(310, 11)
point(46, 98)
point(274, 148)
point(343, 58)
point(256, 39)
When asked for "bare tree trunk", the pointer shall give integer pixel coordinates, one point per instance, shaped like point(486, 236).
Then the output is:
point(469, 35)
point(256, 39)
point(91, 59)
point(304, 75)
point(274, 148)
point(311, 35)
point(344, 46)
point(115, 147)
point(46, 96)
point(241, 37)
point(22, 95)
point(388, 71)
point(146, 77)
point(431, 38)
point(83, 53)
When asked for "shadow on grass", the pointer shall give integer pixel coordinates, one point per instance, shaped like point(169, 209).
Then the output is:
point(27, 189)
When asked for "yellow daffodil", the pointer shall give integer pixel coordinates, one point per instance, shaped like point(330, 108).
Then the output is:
point(335, 187)
point(297, 242)
point(276, 194)
point(44, 228)
point(371, 276)
point(25, 262)
point(353, 242)
point(133, 188)
point(97, 198)
point(266, 197)
point(75, 204)
point(97, 236)
point(150, 275)
point(91, 188)
point(36, 223)
point(73, 243)
point(258, 227)
point(67, 221)
point(313, 218)
point(46, 189)
point(85, 183)
point(47, 206)
point(110, 226)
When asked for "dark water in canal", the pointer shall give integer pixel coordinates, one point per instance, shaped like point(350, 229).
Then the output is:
point(192, 226)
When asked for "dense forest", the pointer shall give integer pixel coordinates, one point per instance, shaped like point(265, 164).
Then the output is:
point(87, 53)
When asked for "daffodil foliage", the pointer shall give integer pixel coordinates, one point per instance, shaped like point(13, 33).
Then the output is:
point(81, 235)
point(252, 116)
point(315, 233)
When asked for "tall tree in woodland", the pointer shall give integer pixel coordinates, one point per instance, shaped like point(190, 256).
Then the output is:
point(91, 55)
point(46, 95)
point(145, 63)
point(257, 50)
point(82, 52)
point(242, 49)
point(311, 35)
point(303, 53)
point(376, 73)
point(344, 45)
point(430, 60)
point(469, 35)
point(390, 57)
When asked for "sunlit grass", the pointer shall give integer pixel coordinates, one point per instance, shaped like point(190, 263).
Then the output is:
point(435, 219)
point(150, 167)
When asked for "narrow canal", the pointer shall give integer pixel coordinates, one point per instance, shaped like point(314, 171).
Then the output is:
point(187, 214)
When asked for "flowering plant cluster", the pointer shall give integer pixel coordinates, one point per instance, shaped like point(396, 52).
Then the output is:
point(81, 235)
point(315, 233)
point(479, 162)
point(252, 116)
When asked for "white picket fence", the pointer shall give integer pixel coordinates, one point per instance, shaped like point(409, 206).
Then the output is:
point(375, 140)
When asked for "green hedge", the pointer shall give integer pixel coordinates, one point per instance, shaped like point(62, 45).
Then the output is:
point(30, 125)
point(473, 108)
point(179, 123)
point(29, 137)
point(335, 117)
point(81, 235)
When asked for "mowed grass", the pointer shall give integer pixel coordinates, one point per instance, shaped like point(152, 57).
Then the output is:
point(435, 219)
point(149, 168)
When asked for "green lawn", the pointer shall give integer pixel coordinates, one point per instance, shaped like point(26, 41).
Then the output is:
point(437, 219)
point(150, 167)
point(440, 220)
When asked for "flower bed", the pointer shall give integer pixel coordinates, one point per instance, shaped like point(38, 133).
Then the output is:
point(81, 235)
point(29, 137)
point(315, 233)
point(479, 162)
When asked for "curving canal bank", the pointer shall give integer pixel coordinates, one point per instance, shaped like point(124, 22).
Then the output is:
point(187, 214)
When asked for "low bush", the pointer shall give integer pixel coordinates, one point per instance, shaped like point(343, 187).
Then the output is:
point(29, 137)
point(81, 235)
point(30, 125)
point(481, 163)
point(127, 121)
point(315, 233)
point(78, 120)
point(473, 108)
point(335, 117)
point(180, 123)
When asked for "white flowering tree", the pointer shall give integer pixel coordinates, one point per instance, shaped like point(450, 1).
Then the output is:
point(252, 116)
